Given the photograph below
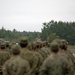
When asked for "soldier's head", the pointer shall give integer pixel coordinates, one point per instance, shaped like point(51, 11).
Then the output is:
point(23, 42)
point(38, 44)
point(2, 45)
point(7, 43)
point(63, 44)
point(45, 44)
point(54, 47)
point(15, 49)
point(57, 41)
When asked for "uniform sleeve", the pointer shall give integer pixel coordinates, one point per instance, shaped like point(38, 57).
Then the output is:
point(24, 69)
point(5, 69)
point(43, 69)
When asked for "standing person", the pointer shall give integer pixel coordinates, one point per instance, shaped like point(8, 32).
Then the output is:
point(16, 65)
point(29, 55)
point(54, 65)
point(4, 56)
point(66, 54)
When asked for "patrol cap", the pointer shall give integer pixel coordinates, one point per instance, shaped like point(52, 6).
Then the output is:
point(54, 47)
point(15, 49)
point(2, 44)
point(64, 42)
point(23, 41)
point(7, 43)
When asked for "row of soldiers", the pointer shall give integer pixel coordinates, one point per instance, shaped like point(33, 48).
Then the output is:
point(37, 58)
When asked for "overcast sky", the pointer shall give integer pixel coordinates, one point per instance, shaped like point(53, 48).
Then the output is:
point(28, 15)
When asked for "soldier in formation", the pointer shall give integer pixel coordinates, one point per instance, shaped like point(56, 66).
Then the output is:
point(16, 65)
point(4, 56)
point(57, 64)
point(36, 58)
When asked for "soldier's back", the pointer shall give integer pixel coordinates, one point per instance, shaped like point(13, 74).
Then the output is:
point(67, 60)
point(31, 58)
point(40, 61)
point(56, 65)
point(51, 66)
point(16, 66)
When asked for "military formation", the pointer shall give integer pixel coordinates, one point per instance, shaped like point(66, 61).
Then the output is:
point(36, 58)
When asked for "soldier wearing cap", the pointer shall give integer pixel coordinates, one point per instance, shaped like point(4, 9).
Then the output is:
point(65, 55)
point(7, 45)
point(50, 65)
point(4, 56)
point(28, 55)
point(55, 64)
point(16, 65)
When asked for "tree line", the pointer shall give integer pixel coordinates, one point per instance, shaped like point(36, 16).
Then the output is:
point(50, 31)
point(15, 35)
point(63, 30)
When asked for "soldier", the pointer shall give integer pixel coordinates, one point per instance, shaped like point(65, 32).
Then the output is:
point(44, 51)
point(28, 55)
point(4, 56)
point(39, 56)
point(65, 53)
point(54, 65)
point(16, 65)
point(7, 47)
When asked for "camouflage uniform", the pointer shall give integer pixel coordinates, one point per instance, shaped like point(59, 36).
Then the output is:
point(29, 56)
point(40, 61)
point(4, 56)
point(64, 54)
point(45, 51)
point(7, 47)
point(70, 55)
point(65, 57)
point(54, 65)
point(57, 64)
point(16, 65)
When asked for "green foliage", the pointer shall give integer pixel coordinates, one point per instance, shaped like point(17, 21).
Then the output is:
point(53, 36)
point(50, 31)
point(64, 30)
point(14, 36)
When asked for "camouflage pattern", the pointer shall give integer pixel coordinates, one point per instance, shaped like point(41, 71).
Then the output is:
point(57, 63)
point(65, 57)
point(54, 65)
point(40, 61)
point(7, 47)
point(4, 56)
point(29, 55)
point(71, 57)
point(31, 58)
point(46, 52)
point(16, 66)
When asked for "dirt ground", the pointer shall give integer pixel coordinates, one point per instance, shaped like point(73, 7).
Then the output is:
point(71, 48)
